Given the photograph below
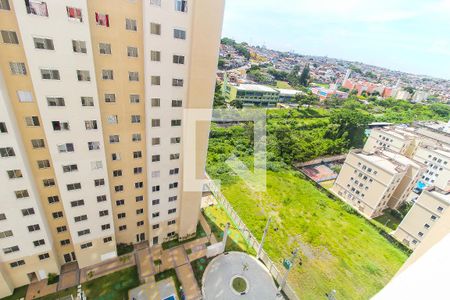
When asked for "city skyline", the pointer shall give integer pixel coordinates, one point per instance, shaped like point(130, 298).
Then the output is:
point(413, 34)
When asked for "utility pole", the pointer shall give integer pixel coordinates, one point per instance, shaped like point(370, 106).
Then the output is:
point(289, 264)
point(263, 238)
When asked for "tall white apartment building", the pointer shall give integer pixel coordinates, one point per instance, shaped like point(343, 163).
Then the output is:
point(93, 100)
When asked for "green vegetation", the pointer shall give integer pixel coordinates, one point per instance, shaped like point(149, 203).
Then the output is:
point(18, 293)
point(112, 286)
point(55, 296)
point(217, 218)
point(124, 249)
point(52, 278)
point(199, 266)
point(175, 242)
point(239, 284)
point(327, 184)
point(283, 85)
point(171, 273)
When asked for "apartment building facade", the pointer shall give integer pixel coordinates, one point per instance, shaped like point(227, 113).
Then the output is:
point(427, 211)
point(93, 99)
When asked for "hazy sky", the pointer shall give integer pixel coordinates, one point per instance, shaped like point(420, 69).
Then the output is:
point(405, 35)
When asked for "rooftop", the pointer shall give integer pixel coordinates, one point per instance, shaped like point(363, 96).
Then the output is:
point(256, 87)
point(287, 92)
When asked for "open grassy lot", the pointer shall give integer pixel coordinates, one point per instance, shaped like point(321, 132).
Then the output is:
point(283, 85)
point(113, 286)
point(340, 250)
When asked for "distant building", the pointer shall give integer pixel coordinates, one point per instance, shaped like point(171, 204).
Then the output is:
point(253, 95)
point(402, 95)
point(286, 95)
point(422, 217)
point(420, 96)
point(324, 93)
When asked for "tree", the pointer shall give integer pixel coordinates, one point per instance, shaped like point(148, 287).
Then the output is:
point(221, 63)
point(440, 109)
point(306, 99)
point(349, 124)
point(304, 77)
point(293, 78)
point(219, 99)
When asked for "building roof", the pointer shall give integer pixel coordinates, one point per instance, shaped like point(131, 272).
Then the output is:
point(256, 87)
point(403, 159)
point(381, 161)
point(286, 92)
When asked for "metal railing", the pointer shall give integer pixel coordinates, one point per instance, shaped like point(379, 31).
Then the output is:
point(250, 238)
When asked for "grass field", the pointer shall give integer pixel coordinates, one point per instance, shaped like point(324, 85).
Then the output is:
point(283, 85)
point(327, 184)
point(340, 250)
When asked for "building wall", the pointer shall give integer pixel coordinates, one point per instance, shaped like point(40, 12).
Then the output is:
point(62, 30)
point(380, 138)
point(425, 213)
point(438, 163)
point(407, 184)
point(119, 38)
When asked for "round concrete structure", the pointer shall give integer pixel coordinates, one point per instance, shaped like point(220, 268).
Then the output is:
point(217, 281)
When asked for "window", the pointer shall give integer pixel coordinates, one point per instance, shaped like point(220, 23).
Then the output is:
point(102, 19)
point(9, 37)
point(70, 168)
point(156, 141)
point(83, 75)
point(11, 249)
point(440, 209)
point(60, 229)
point(136, 154)
point(174, 171)
point(139, 198)
point(140, 223)
point(43, 256)
point(104, 48)
point(156, 80)
point(155, 28)
point(115, 156)
point(155, 202)
point(181, 5)
point(117, 173)
point(38, 143)
point(34, 227)
point(177, 103)
point(99, 182)
point(132, 52)
point(106, 226)
point(155, 188)
point(155, 2)
point(155, 55)
point(4, 4)
point(156, 102)
point(27, 212)
point(155, 214)
point(7, 152)
point(156, 158)
point(118, 188)
point(113, 119)
point(83, 232)
point(90, 124)
point(50, 74)
point(60, 126)
point(86, 245)
point(65, 242)
point(174, 156)
point(130, 24)
point(107, 75)
point(57, 215)
point(178, 59)
point(17, 68)
point(134, 99)
point(107, 239)
point(56, 101)
point(48, 182)
point(177, 82)
point(18, 263)
point(79, 46)
point(138, 185)
point(114, 139)
point(172, 211)
point(175, 122)
point(2, 217)
point(171, 222)
point(87, 101)
point(179, 34)
point(122, 227)
point(53, 199)
point(133, 76)
point(110, 98)
point(37, 8)
point(175, 140)
point(3, 128)
point(120, 202)
point(155, 226)
point(6, 234)
point(173, 185)
point(121, 215)
point(80, 218)
point(12, 174)
point(136, 137)
point(25, 96)
point(73, 186)
point(420, 234)
point(173, 198)
point(77, 203)
point(43, 43)
point(74, 14)
point(139, 211)
point(32, 121)
point(156, 122)
point(68, 147)
point(101, 198)
point(135, 119)
point(137, 170)
point(43, 164)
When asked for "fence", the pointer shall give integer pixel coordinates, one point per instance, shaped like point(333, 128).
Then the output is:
point(251, 240)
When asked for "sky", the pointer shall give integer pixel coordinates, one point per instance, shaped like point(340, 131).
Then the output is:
point(406, 35)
